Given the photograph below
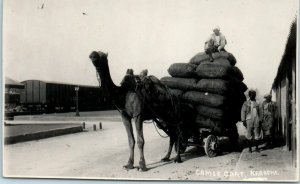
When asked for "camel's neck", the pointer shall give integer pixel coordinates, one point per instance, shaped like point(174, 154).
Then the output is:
point(108, 86)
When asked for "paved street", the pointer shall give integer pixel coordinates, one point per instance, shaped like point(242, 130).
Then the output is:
point(102, 153)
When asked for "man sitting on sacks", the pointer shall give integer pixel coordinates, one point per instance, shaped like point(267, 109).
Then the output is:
point(215, 43)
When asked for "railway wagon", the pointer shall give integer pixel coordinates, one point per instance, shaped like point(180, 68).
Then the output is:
point(47, 96)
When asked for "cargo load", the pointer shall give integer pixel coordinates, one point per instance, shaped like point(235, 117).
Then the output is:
point(214, 89)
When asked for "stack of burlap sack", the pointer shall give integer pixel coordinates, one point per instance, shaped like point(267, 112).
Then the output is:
point(215, 89)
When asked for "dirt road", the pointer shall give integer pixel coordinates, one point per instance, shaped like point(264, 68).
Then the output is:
point(102, 153)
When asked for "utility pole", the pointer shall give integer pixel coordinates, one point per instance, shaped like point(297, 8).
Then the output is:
point(77, 109)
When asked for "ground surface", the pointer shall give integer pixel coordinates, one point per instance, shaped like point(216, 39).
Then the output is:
point(102, 153)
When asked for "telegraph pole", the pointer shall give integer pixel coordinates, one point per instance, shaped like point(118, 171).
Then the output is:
point(77, 109)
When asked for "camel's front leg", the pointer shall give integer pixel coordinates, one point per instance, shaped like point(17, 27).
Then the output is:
point(167, 157)
point(127, 123)
point(140, 142)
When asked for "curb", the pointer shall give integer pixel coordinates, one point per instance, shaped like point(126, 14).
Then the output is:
point(60, 118)
point(42, 135)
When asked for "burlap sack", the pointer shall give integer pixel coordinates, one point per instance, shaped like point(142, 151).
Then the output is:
point(202, 56)
point(179, 83)
point(211, 112)
point(208, 99)
point(182, 70)
point(217, 86)
point(238, 73)
point(199, 58)
point(225, 55)
point(214, 71)
point(219, 61)
point(237, 85)
point(177, 92)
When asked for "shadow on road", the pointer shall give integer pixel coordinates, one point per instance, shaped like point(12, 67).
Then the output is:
point(194, 152)
point(198, 151)
point(160, 163)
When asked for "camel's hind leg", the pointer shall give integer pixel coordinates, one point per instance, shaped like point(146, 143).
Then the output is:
point(127, 123)
point(178, 157)
point(140, 142)
point(167, 157)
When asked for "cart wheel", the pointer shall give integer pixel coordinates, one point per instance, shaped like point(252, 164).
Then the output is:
point(211, 146)
point(181, 146)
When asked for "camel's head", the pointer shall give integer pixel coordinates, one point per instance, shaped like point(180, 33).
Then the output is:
point(98, 57)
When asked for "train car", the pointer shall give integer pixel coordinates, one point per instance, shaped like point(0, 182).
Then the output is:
point(48, 96)
point(12, 93)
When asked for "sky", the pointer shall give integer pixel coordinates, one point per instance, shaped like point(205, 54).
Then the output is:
point(52, 39)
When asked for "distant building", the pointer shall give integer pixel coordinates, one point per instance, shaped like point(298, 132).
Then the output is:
point(284, 87)
point(49, 96)
point(12, 93)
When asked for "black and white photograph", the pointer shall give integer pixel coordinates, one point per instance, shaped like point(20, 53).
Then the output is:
point(159, 90)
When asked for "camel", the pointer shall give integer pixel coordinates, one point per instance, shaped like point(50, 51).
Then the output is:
point(133, 105)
